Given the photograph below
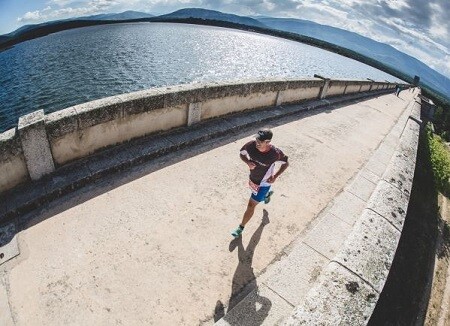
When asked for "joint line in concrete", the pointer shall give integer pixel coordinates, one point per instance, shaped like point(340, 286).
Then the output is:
point(384, 218)
point(340, 218)
point(285, 300)
point(357, 275)
point(393, 185)
point(356, 194)
point(316, 251)
point(362, 176)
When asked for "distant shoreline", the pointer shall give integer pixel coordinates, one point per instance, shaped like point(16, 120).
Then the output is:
point(67, 25)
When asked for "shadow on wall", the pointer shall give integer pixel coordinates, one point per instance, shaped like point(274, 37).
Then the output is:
point(244, 282)
point(407, 291)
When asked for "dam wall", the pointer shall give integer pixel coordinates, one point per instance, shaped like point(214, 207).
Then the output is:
point(44, 142)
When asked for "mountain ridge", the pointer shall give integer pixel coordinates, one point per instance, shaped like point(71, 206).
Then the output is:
point(353, 45)
point(361, 44)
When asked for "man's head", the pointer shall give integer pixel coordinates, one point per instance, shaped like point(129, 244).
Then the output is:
point(263, 138)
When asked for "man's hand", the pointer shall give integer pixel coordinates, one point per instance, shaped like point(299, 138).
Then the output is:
point(251, 165)
point(271, 179)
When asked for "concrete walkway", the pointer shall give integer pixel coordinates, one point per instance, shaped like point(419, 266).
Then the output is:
point(153, 245)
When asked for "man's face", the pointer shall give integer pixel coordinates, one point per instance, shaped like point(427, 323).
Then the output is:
point(262, 145)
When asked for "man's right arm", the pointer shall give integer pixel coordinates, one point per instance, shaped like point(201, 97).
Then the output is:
point(244, 157)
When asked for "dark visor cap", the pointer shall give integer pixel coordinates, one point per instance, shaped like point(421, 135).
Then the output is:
point(264, 134)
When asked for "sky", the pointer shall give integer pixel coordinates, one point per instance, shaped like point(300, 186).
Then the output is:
point(420, 28)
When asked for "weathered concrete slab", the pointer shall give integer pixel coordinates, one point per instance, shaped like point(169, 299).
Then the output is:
point(292, 278)
point(370, 249)
point(260, 307)
point(376, 167)
point(400, 125)
point(196, 135)
point(409, 141)
point(390, 141)
point(361, 187)
point(389, 202)
point(61, 122)
point(415, 110)
point(101, 163)
point(251, 118)
point(8, 242)
point(382, 155)
point(379, 161)
point(347, 207)
point(342, 299)
point(35, 144)
point(292, 108)
point(141, 101)
point(146, 149)
point(388, 147)
point(400, 173)
point(328, 235)
point(194, 113)
point(369, 175)
point(12, 161)
point(66, 179)
point(99, 111)
point(26, 196)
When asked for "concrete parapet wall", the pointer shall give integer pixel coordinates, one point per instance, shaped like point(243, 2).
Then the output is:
point(351, 89)
point(337, 87)
point(81, 130)
point(12, 161)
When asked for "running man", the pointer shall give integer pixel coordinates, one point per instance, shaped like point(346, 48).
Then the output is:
point(260, 156)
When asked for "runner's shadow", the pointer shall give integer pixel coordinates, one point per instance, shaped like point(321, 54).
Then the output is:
point(244, 282)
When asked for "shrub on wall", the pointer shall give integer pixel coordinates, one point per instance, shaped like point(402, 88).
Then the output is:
point(442, 122)
point(440, 161)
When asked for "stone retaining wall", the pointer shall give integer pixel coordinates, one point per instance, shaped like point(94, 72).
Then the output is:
point(43, 143)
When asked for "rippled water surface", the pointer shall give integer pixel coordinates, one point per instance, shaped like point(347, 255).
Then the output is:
point(79, 65)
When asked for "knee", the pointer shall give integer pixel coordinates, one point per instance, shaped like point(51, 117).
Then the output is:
point(252, 204)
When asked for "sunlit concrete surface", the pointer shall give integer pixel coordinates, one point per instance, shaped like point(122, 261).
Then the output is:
point(153, 246)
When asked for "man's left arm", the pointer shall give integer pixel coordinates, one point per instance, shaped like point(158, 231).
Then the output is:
point(282, 168)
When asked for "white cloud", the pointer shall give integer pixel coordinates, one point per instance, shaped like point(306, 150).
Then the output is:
point(48, 13)
point(397, 4)
point(30, 16)
point(437, 28)
point(61, 3)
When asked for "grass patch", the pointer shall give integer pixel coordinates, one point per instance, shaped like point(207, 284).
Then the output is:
point(440, 161)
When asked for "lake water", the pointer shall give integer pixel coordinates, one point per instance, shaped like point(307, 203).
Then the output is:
point(79, 65)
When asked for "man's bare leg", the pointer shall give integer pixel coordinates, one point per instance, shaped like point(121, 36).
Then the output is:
point(247, 216)
point(249, 211)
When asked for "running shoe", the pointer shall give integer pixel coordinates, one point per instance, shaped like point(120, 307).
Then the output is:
point(267, 198)
point(236, 233)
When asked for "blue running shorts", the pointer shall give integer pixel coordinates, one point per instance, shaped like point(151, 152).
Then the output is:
point(262, 193)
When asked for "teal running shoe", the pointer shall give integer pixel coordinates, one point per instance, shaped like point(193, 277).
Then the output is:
point(236, 233)
point(267, 198)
